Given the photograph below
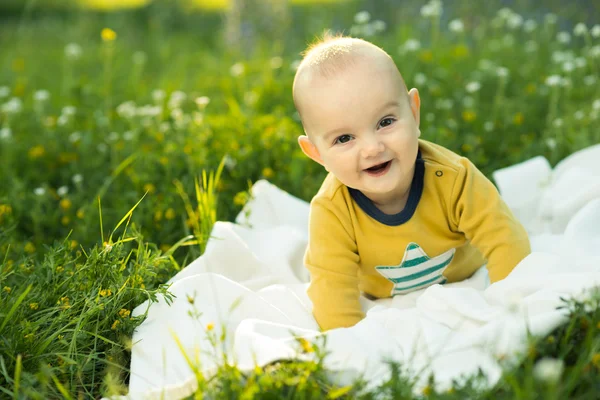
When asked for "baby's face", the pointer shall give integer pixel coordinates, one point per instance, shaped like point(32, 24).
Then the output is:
point(364, 129)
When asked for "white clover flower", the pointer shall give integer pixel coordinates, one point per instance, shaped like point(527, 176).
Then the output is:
point(579, 115)
point(563, 37)
point(295, 64)
point(432, 9)
point(444, 104)
point(177, 114)
point(139, 57)
point(276, 62)
point(102, 147)
point(368, 30)
point(508, 40)
point(596, 104)
point(158, 95)
point(69, 111)
point(77, 178)
point(566, 82)
point(589, 80)
point(502, 72)
point(5, 133)
point(456, 25)
point(379, 25)
point(553, 80)
point(411, 45)
point(558, 122)
point(514, 21)
point(531, 46)
point(473, 87)
point(468, 102)
point(530, 25)
point(63, 190)
point(485, 64)
point(550, 18)
point(548, 370)
point(452, 124)
point(128, 135)
point(176, 99)
point(164, 127)
point(568, 66)
point(229, 162)
point(126, 110)
point(237, 69)
point(580, 29)
point(148, 111)
point(488, 126)
point(73, 51)
point(580, 62)
point(13, 106)
point(595, 31)
point(41, 95)
point(595, 51)
point(4, 91)
point(74, 137)
point(420, 79)
point(113, 137)
point(504, 13)
point(250, 98)
point(40, 191)
point(202, 102)
point(362, 17)
point(62, 120)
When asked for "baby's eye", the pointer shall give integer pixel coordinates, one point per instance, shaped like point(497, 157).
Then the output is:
point(386, 122)
point(342, 139)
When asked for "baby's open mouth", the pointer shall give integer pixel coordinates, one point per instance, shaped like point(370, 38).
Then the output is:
point(378, 167)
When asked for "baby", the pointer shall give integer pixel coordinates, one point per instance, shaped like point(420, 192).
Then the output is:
point(395, 213)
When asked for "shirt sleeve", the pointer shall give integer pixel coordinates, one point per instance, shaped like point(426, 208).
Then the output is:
point(333, 262)
point(487, 222)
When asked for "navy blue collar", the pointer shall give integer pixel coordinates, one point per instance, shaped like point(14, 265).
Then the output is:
point(414, 195)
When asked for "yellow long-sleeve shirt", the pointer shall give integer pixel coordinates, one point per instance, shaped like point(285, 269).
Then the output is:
point(453, 223)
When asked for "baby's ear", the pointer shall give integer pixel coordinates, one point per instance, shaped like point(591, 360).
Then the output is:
point(415, 104)
point(309, 149)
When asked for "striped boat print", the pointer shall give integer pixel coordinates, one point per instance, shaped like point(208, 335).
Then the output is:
point(417, 270)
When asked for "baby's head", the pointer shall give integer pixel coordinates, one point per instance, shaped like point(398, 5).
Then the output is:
point(361, 123)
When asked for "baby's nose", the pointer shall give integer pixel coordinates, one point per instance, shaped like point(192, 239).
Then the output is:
point(372, 147)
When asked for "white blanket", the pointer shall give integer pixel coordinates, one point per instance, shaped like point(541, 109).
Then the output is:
point(251, 282)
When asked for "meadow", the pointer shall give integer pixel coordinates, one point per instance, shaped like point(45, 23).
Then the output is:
point(125, 134)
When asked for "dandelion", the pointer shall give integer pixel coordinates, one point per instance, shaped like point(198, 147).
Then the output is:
point(5, 133)
point(580, 29)
point(473, 87)
point(4, 91)
point(41, 95)
point(530, 25)
point(595, 31)
point(362, 17)
point(456, 25)
point(237, 69)
point(34, 306)
point(73, 51)
point(563, 37)
point(108, 35)
point(77, 178)
point(548, 370)
point(40, 191)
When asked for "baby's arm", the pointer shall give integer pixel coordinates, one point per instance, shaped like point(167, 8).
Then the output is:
point(485, 219)
point(332, 260)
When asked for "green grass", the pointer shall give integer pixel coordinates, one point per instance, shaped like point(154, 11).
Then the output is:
point(114, 129)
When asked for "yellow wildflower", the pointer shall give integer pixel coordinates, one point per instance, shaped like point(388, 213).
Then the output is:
point(187, 149)
point(596, 360)
point(65, 220)
point(115, 324)
point(466, 147)
point(80, 214)
point(158, 215)
point(60, 269)
point(426, 56)
point(18, 64)
point(36, 152)
point(61, 337)
point(165, 247)
point(427, 390)
point(268, 172)
point(123, 313)
point(164, 160)
point(74, 244)
point(210, 326)
point(518, 119)
point(65, 204)
point(105, 292)
point(170, 214)
point(469, 116)
point(34, 306)
point(460, 51)
point(29, 248)
point(150, 188)
point(108, 35)
point(306, 345)
point(530, 88)
point(7, 289)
